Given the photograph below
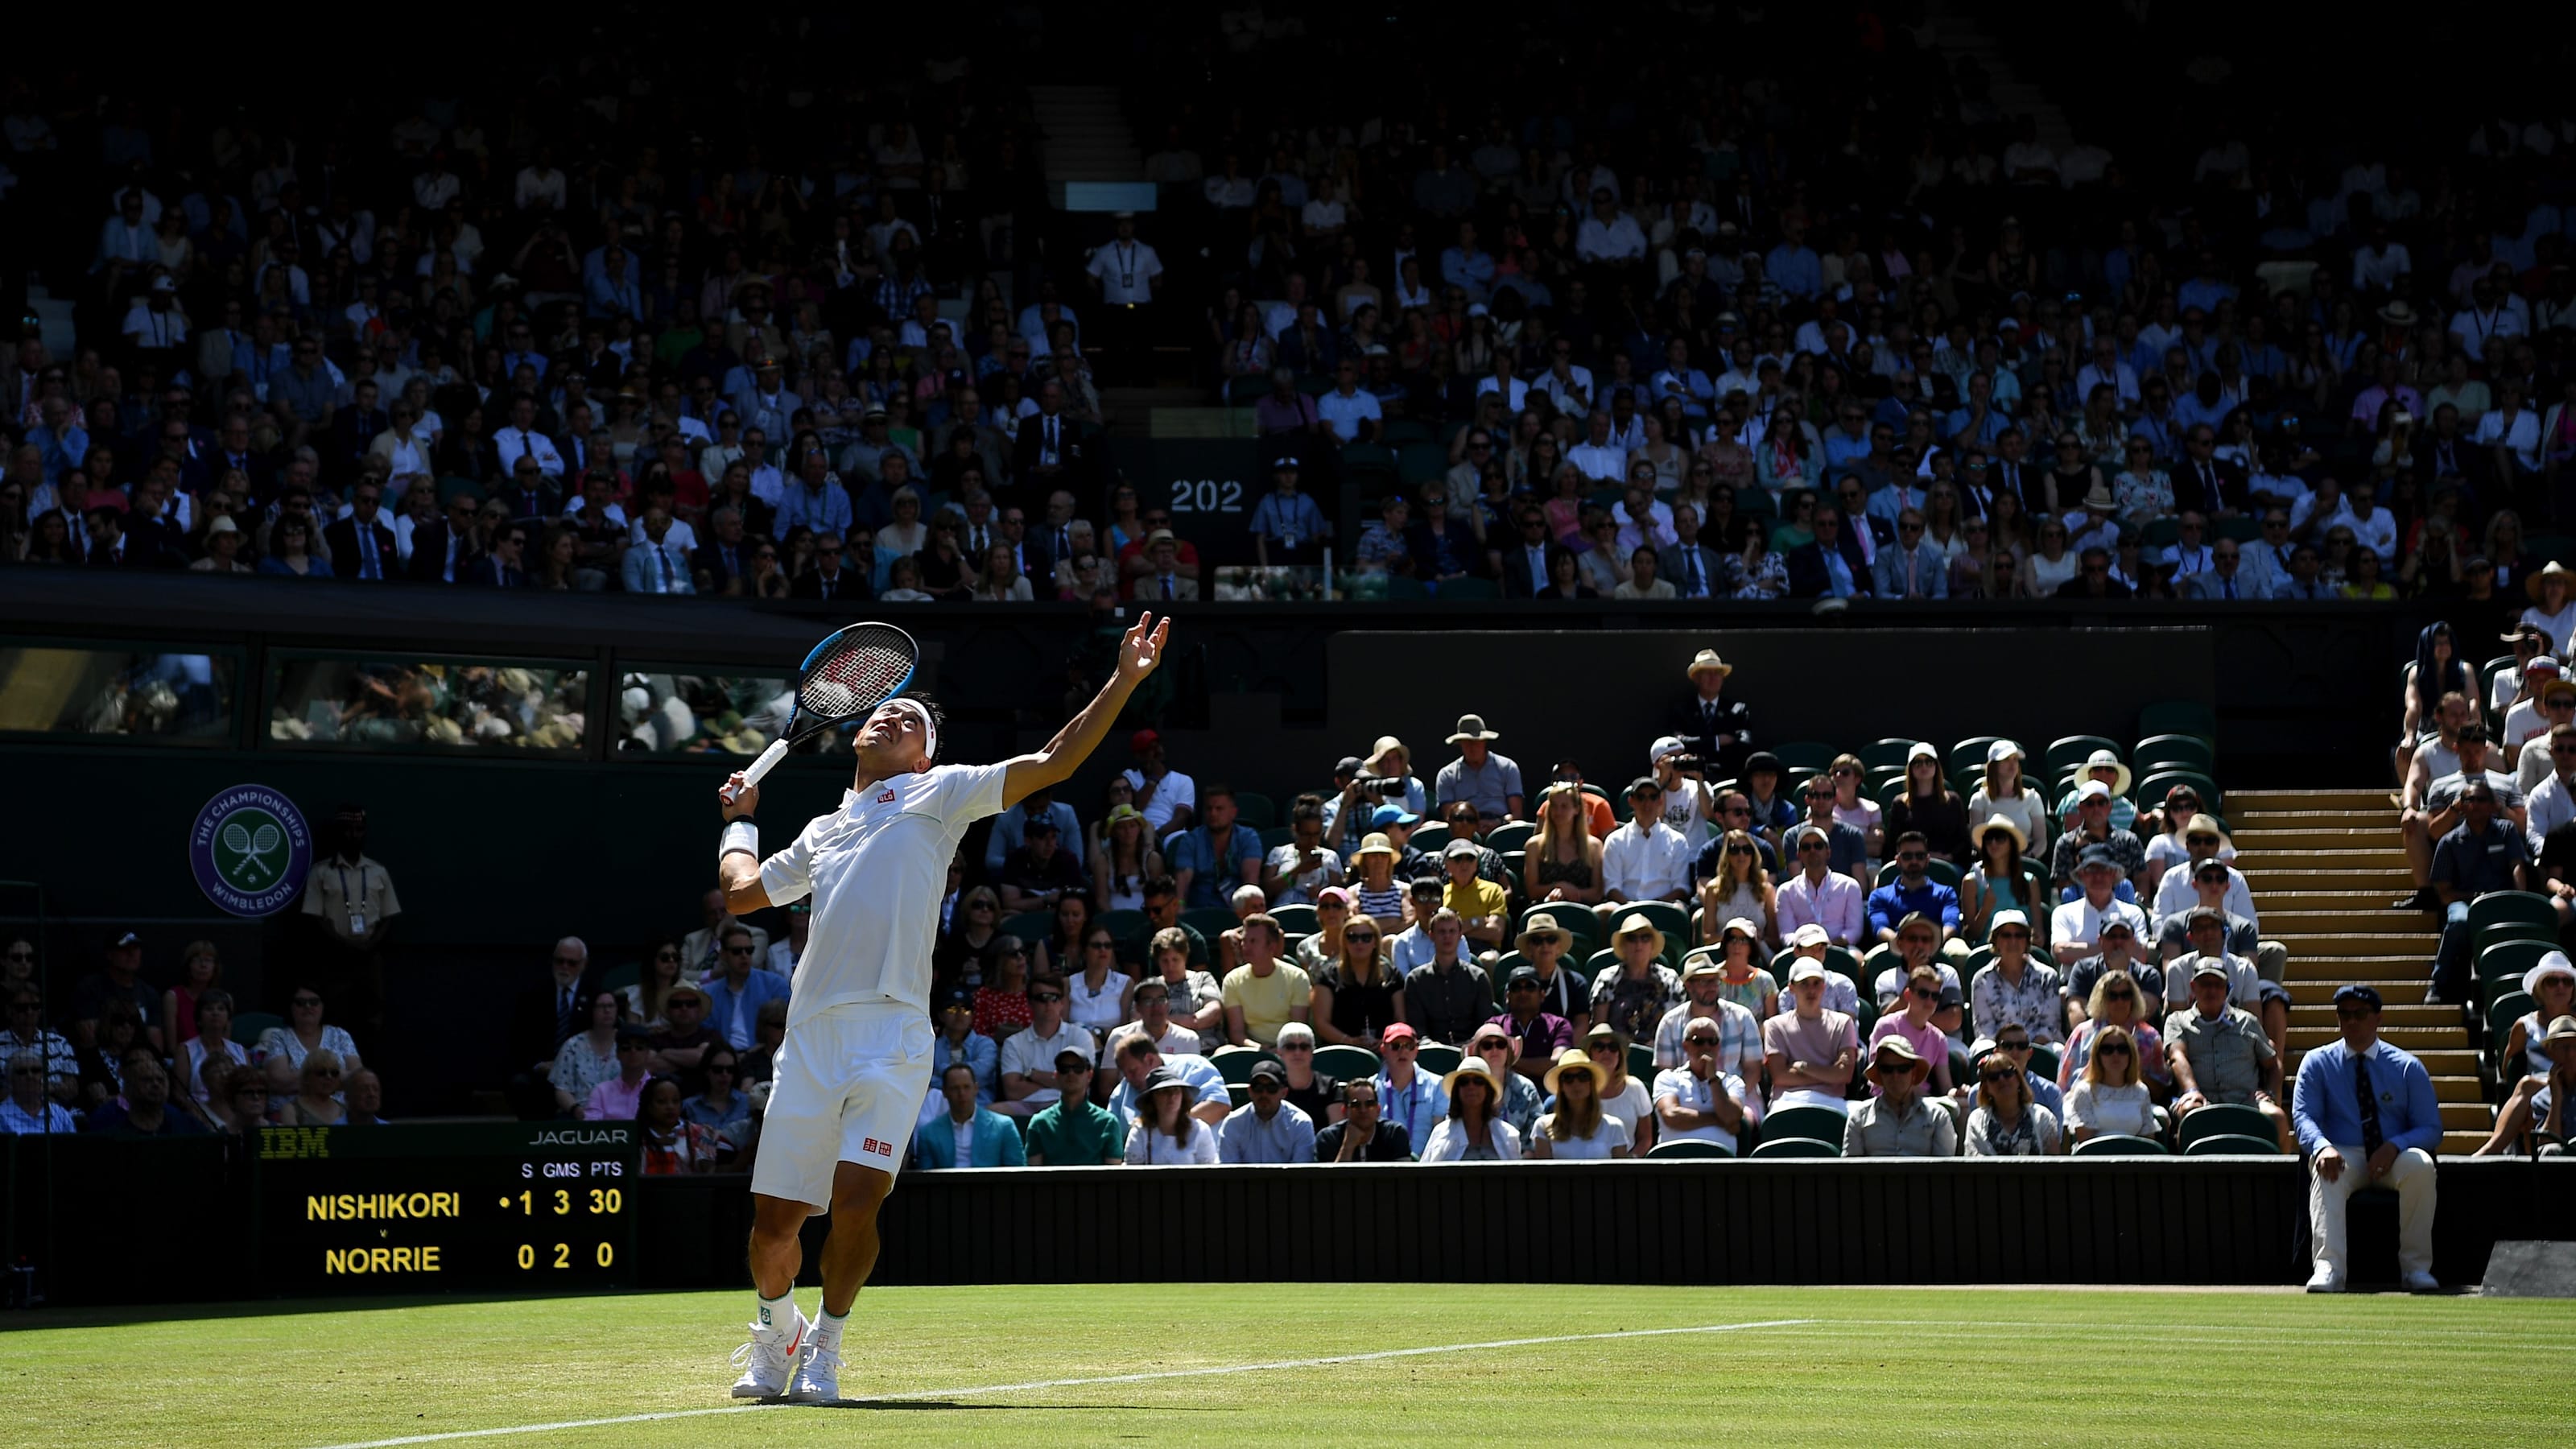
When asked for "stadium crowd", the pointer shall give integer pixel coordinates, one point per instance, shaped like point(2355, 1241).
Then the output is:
point(547, 337)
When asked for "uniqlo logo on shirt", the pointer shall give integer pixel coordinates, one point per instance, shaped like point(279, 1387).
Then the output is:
point(874, 1148)
point(887, 798)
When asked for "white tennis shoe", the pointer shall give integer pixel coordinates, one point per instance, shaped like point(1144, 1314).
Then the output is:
point(769, 1360)
point(818, 1375)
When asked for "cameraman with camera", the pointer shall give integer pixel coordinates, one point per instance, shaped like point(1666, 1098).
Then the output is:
point(1688, 804)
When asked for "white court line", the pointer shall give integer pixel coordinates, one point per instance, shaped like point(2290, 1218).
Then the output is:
point(1136, 1378)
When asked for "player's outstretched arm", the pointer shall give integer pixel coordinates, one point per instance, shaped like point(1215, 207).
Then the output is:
point(1138, 653)
point(738, 866)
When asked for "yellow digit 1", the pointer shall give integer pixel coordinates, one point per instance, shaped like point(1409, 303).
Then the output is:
point(527, 1256)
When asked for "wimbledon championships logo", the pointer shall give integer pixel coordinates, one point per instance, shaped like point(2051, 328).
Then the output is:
point(250, 850)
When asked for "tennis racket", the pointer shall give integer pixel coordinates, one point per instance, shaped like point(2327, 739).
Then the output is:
point(845, 678)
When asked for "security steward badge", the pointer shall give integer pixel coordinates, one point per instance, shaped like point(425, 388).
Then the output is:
point(250, 850)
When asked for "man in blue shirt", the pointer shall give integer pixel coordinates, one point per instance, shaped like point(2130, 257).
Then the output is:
point(1287, 527)
point(1216, 856)
point(2480, 855)
point(1913, 892)
point(2366, 1116)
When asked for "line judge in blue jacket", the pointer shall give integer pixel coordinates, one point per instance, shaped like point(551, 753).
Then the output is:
point(2366, 1116)
point(967, 1134)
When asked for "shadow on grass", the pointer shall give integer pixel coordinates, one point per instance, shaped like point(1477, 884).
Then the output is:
point(952, 1406)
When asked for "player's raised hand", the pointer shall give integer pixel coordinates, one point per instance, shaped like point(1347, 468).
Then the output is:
point(1142, 649)
point(736, 799)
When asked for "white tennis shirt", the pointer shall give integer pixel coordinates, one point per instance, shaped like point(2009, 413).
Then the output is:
point(876, 869)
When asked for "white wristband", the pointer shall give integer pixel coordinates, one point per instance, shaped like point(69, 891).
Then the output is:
point(742, 835)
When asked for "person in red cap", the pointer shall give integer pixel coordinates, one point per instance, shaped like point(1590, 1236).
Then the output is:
point(1168, 798)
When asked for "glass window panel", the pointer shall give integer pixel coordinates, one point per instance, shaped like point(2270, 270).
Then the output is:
point(135, 692)
point(457, 704)
point(680, 712)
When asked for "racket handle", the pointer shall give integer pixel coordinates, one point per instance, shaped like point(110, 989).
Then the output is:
point(768, 761)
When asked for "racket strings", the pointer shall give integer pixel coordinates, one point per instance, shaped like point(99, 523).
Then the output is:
point(855, 679)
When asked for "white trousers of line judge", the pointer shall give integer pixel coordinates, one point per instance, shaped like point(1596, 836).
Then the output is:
point(2412, 1175)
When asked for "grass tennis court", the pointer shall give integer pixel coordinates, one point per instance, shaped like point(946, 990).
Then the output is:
point(1005, 1365)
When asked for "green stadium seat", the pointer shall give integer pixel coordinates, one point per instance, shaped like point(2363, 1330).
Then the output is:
point(2220, 1119)
point(1296, 920)
point(616, 978)
point(1969, 755)
point(2068, 751)
point(1401, 431)
point(1031, 926)
point(1800, 1147)
point(2230, 1144)
point(1211, 922)
point(1641, 1062)
point(250, 1026)
point(2045, 1061)
point(2502, 1013)
point(1817, 1124)
point(1127, 926)
point(1805, 754)
point(1431, 837)
point(2237, 527)
point(1420, 463)
point(2181, 717)
point(2503, 931)
point(2496, 906)
point(1687, 1149)
point(1405, 587)
point(1890, 751)
point(1438, 1058)
point(1234, 1063)
point(1257, 811)
point(2152, 788)
point(2189, 752)
point(1275, 836)
point(1510, 836)
point(1576, 919)
point(1346, 1062)
point(2508, 960)
point(1246, 390)
point(2120, 1144)
point(1468, 588)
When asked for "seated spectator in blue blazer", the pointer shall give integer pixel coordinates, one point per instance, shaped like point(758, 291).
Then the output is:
point(967, 1134)
point(735, 995)
point(1813, 575)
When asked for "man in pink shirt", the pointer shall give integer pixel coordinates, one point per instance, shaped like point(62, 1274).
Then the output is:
point(617, 1099)
point(1913, 1021)
point(1819, 894)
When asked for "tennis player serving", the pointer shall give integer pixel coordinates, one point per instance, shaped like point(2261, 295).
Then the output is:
point(851, 1075)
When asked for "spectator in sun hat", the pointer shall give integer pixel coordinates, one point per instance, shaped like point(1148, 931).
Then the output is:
point(1898, 1119)
point(1703, 980)
point(1496, 1047)
point(1491, 782)
point(2104, 766)
point(2530, 716)
point(1632, 996)
point(1717, 729)
point(2219, 1053)
point(1475, 1128)
point(2075, 926)
point(1543, 943)
point(2006, 790)
point(2013, 988)
point(2204, 841)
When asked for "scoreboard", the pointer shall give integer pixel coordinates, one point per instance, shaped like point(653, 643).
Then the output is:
point(448, 1207)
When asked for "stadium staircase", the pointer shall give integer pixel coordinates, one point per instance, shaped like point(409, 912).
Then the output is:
point(2323, 866)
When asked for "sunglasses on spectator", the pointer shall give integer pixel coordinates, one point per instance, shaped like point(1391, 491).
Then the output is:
point(1296, 1046)
point(737, 950)
point(1403, 1046)
point(1041, 998)
point(1741, 850)
point(1700, 1041)
point(2004, 1076)
point(2012, 1046)
point(2115, 1051)
point(2119, 996)
point(305, 1001)
point(1362, 937)
point(1924, 992)
point(714, 1067)
point(1602, 1048)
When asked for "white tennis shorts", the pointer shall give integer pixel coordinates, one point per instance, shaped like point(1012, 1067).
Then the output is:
point(847, 1086)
